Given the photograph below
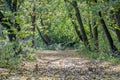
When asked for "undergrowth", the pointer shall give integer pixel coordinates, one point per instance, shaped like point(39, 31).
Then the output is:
point(8, 58)
point(105, 56)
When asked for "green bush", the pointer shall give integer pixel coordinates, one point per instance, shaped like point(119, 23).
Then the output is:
point(104, 54)
point(8, 57)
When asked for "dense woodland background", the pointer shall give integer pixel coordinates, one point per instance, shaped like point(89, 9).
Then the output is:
point(90, 26)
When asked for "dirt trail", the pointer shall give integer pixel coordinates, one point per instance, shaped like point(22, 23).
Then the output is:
point(67, 65)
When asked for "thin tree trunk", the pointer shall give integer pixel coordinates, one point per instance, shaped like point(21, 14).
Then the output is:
point(93, 31)
point(117, 21)
point(12, 6)
point(95, 37)
point(90, 28)
point(40, 34)
point(110, 40)
point(108, 35)
point(116, 18)
point(74, 24)
point(75, 27)
point(33, 19)
point(118, 34)
point(76, 30)
point(79, 19)
point(11, 35)
point(46, 37)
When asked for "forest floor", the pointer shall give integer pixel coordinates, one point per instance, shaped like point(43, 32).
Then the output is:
point(65, 65)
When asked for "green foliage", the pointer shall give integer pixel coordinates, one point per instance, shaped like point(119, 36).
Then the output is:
point(57, 24)
point(29, 57)
point(99, 56)
point(7, 56)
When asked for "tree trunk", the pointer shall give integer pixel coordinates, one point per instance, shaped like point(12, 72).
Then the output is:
point(46, 37)
point(74, 23)
point(110, 40)
point(90, 28)
point(93, 30)
point(95, 37)
point(76, 30)
point(79, 19)
point(40, 34)
point(108, 35)
point(12, 6)
point(117, 21)
point(116, 17)
point(33, 19)
point(11, 35)
point(75, 27)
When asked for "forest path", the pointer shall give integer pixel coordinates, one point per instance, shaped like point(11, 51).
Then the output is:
point(67, 65)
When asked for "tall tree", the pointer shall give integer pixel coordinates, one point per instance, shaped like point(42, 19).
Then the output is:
point(108, 35)
point(13, 7)
point(11, 34)
point(46, 39)
point(115, 15)
point(73, 22)
point(79, 19)
point(33, 19)
point(117, 21)
point(95, 36)
point(93, 27)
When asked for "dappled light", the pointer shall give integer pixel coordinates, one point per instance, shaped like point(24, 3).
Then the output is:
point(65, 67)
point(59, 39)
